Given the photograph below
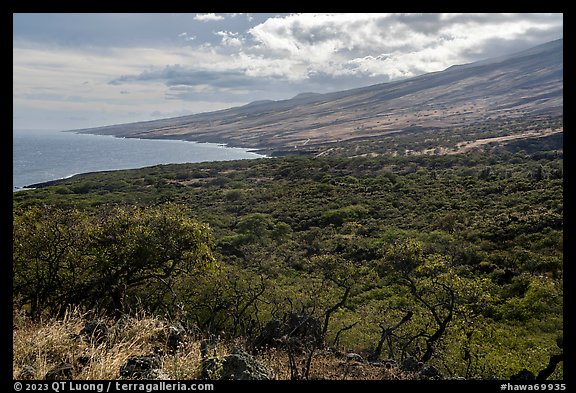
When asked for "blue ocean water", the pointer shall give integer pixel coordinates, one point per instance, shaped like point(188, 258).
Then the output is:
point(40, 156)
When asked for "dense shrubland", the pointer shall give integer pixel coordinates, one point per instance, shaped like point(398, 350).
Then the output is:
point(453, 260)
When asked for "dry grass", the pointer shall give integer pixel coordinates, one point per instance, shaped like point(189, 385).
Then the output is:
point(327, 366)
point(48, 344)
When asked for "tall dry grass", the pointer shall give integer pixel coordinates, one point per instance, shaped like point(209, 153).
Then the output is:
point(47, 344)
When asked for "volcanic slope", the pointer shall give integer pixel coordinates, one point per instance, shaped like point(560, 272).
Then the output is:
point(524, 84)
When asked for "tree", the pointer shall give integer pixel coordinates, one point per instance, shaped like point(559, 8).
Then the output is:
point(224, 299)
point(47, 247)
point(256, 226)
point(66, 257)
point(386, 334)
point(439, 294)
point(145, 248)
point(346, 276)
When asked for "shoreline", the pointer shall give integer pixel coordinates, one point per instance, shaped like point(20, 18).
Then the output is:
point(222, 142)
point(24, 185)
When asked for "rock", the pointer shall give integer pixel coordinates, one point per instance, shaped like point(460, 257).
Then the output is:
point(269, 336)
point(140, 367)
point(354, 356)
point(95, 330)
point(390, 363)
point(60, 372)
point(175, 336)
point(27, 373)
point(429, 372)
point(236, 366)
point(409, 364)
point(523, 375)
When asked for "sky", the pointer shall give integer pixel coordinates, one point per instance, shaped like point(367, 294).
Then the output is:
point(73, 71)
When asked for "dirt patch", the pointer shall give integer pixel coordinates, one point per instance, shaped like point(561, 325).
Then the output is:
point(465, 147)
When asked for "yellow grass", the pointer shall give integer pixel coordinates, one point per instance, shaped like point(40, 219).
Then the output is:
point(47, 344)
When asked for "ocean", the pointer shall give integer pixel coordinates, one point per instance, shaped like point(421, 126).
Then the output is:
point(40, 155)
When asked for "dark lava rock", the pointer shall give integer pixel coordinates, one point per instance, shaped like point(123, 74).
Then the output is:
point(63, 371)
point(236, 366)
point(95, 330)
point(140, 367)
point(429, 372)
point(409, 364)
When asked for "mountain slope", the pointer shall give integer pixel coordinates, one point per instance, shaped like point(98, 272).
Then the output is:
point(523, 84)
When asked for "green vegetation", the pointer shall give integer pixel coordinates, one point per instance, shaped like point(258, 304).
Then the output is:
point(455, 260)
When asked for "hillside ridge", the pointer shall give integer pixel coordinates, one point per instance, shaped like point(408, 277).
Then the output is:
point(524, 84)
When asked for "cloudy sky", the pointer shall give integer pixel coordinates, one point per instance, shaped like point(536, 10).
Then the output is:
point(84, 70)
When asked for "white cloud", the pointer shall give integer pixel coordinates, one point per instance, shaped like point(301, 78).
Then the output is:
point(186, 37)
point(391, 45)
point(208, 17)
point(229, 38)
